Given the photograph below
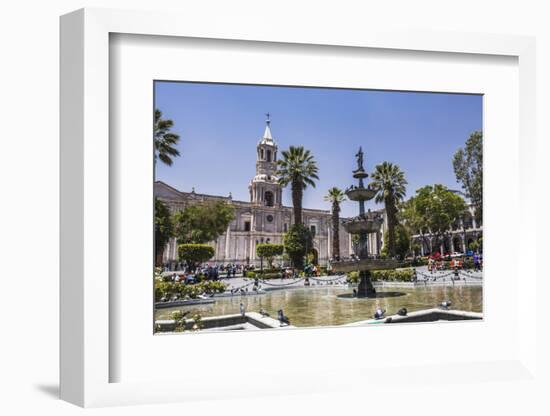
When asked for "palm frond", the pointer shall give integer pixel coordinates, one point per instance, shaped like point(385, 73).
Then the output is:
point(165, 141)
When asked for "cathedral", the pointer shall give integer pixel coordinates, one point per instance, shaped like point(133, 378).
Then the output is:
point(262, 219)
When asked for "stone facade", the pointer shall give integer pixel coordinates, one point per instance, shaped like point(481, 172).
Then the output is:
point(263, 219)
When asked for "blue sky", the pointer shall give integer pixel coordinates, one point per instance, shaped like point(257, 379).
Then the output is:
point(220, 125)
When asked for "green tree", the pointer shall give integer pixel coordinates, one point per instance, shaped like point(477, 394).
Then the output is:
point(438, 209)
point(269, 252)
point(474, 245)
point(415, 223)
point(335, 196)
point(195, 254)
point(298, 169)
point(298, 241)
point(389, 183)
point(468, 167)
point(165, 140)
point(203, 222)
point(163, 229)
point(402, 242)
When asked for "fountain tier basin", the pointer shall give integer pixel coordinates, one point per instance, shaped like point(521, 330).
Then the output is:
point(360, 173)
point(358, 225)
point(360, 194)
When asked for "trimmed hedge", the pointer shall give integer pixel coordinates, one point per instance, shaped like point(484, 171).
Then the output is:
point(269, 251)
point(266, 276)
point(267, 270)
point(419, 261)
point(195, 253)
point(396, 275)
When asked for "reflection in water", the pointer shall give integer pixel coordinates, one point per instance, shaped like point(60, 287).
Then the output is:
point(378, 295)
point(324, 306)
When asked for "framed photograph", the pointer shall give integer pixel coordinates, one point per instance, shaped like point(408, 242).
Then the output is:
point(321, 211)
point(286, 250)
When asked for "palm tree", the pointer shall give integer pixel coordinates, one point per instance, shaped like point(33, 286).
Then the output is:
point(389, 182)
point(299, 169)
point(163, 229)
point(165, 141)
point(335, 196)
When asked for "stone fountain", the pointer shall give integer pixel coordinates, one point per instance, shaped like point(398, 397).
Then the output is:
point(363, 225)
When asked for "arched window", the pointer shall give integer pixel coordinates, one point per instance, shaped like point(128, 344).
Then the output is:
point(268, 152)
point(262, 154)
point(268, 196)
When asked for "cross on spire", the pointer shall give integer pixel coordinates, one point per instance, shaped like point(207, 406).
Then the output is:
point(267, 119)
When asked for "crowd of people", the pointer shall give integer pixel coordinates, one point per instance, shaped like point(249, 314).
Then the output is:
point(436, 263)
point(227, 269)
point(214, 272)
point(183, 273)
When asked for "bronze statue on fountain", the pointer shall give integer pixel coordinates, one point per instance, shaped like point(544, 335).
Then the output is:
point(365, 223)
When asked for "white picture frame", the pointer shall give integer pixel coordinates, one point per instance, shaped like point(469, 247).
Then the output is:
point(86, 330)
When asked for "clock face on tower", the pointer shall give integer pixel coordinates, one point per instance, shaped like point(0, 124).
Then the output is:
point(269, 218)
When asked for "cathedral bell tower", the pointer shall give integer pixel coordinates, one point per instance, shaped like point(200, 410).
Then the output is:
point(264, 188)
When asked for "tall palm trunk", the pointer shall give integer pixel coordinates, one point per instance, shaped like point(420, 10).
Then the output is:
point(297, 194)
point(390, 211)
point(159, 251)
point(335, 230)
point(389, 181)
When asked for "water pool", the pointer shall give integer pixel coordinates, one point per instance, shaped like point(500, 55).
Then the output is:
point(325, 306)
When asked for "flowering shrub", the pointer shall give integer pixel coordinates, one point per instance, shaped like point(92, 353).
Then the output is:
point(157, 273)
point(192, 291)
point(179, 319)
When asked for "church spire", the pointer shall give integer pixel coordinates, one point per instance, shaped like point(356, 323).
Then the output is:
point(264, 188)
point(268, 138)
